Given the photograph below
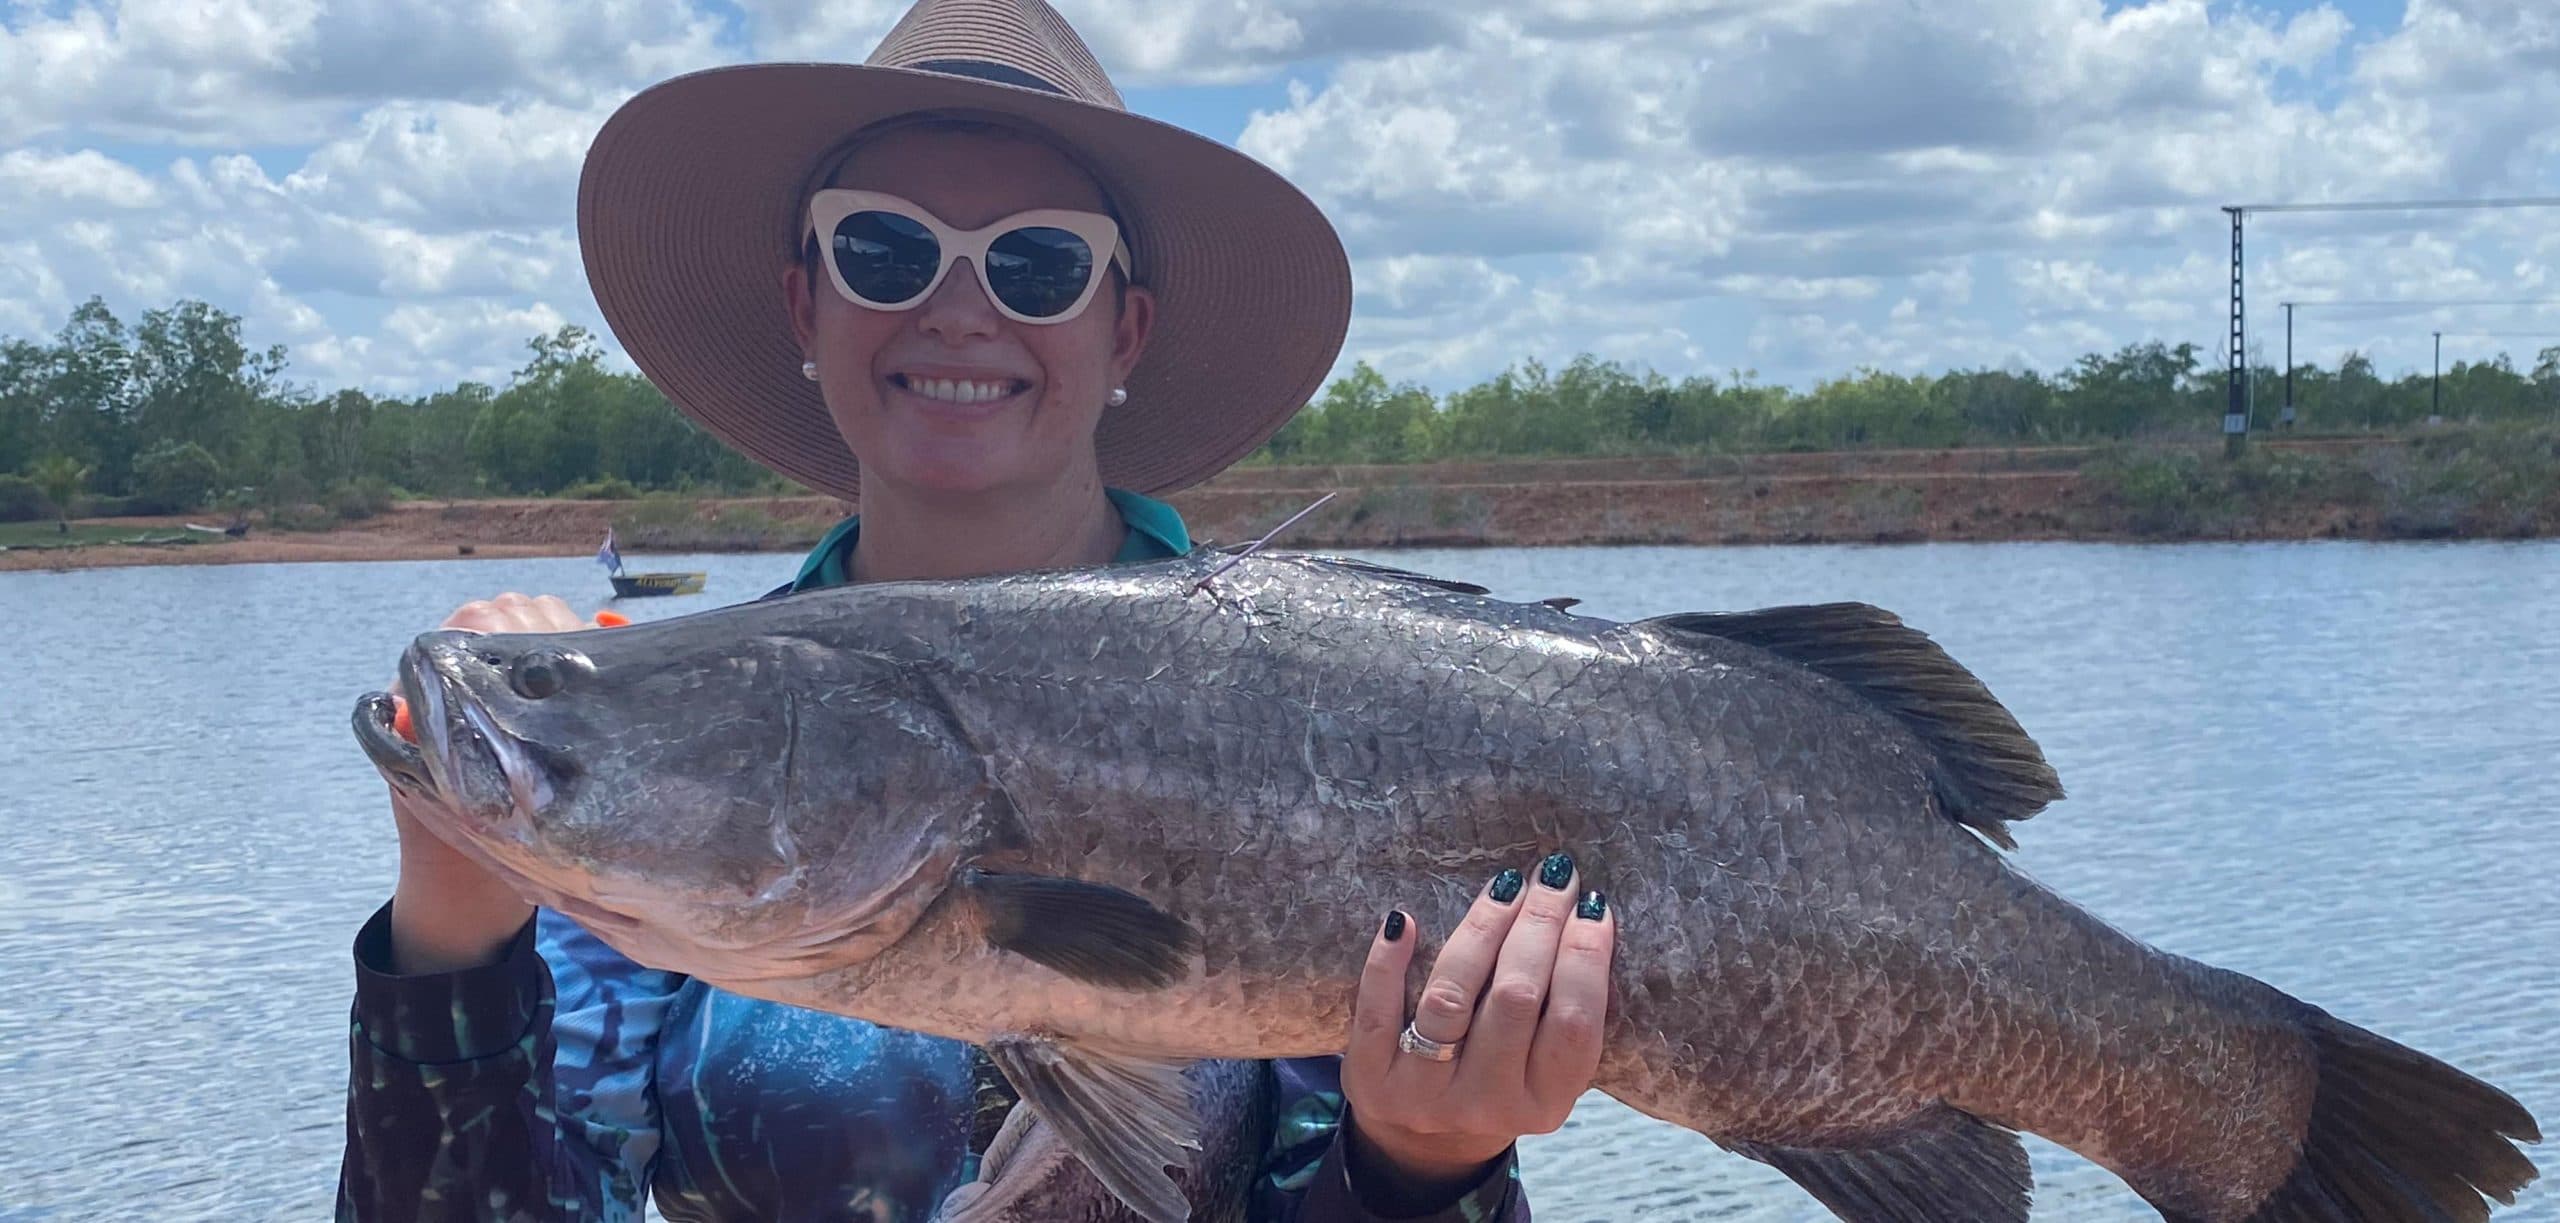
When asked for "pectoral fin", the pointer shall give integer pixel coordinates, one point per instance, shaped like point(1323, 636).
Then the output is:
point(1090, 931)
point(1126, 1118)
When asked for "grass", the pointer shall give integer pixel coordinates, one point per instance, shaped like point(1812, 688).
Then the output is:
point(2460, 482)
point(87, 534)
point(1402, 513)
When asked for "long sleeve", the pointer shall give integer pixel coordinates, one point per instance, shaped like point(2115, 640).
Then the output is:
point(488, 1094)
point(1306, 1178)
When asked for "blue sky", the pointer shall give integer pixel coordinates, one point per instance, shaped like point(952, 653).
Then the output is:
point(1799, 188)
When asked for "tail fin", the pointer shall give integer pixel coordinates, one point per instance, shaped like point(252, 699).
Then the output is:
point(2396, 1134)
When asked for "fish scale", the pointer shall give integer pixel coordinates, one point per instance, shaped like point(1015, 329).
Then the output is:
point(1102, 822)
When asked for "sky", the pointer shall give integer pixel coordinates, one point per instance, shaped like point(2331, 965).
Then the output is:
point(1792, 189)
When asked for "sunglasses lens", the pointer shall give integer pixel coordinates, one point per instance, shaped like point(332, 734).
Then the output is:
point(1039, 271)
point(886, 258)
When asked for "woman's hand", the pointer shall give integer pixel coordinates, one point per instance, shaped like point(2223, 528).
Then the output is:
point(1520, 991)
point(448, 912)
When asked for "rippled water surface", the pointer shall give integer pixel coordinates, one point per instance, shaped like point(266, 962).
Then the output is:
point(2326, 765)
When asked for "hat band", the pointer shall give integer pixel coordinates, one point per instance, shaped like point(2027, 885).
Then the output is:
point(1002, 74)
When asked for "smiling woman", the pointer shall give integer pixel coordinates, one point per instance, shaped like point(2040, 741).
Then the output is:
point(961, 286)
point(921, 373)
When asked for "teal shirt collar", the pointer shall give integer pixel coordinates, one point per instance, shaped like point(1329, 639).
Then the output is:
point(1156, 531)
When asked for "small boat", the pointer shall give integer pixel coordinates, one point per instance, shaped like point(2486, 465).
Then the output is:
point(643, 585)
point(637, 585)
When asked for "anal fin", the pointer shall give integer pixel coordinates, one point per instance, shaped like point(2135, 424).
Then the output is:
point(1945, 1166)
point(1126, 1118)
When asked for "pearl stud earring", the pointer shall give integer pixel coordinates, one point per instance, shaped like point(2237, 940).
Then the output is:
point(809, 370)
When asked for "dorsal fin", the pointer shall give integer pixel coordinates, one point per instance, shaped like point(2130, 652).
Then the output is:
point(1387, 573)
point(1989, 771)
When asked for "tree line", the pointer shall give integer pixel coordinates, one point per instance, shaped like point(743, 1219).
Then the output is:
point(2143, 390)
point(175, 413)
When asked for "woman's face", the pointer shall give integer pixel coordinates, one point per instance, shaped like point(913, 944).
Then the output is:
point(907, 387)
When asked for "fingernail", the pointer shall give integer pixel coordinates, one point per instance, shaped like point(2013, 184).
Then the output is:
point(1506, 886)
point(1395, 924)
point(1593, 905)
point(1556, 871)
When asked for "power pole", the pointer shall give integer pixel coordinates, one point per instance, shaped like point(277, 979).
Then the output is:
point(2235, 411)
point(2437, 407)
point(2286, 421)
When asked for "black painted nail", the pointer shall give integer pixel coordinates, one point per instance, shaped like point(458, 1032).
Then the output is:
point(1593, 905)
point(1395, 924)
point(1556, 871)
point(1506, 886)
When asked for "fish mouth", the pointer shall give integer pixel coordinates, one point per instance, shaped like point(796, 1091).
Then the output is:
point(461, 756)
point(398, 760)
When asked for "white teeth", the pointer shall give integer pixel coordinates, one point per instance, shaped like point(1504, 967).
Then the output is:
point(951, 390)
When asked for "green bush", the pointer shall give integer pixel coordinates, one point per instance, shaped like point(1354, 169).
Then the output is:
point(360, 498)
point(300, 518)
point(175, 478)
point(2268, 476)
point(2161, 492)
point(22, 501)
point(610, 488)
point(286, 488)
point(100, 505)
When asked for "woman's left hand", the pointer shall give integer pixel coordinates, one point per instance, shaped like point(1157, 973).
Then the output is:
point(1520, 990)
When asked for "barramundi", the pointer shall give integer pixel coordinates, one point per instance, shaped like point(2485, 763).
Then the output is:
point(1108, 822)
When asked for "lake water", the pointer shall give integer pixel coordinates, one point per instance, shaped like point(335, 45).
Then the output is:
point(2326, 765)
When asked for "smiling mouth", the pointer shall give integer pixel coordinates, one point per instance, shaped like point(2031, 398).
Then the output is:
point(963, 392)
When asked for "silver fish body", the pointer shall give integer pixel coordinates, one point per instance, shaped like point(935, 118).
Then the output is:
point(1106, 822)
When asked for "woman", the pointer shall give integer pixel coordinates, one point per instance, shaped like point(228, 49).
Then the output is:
point(1003, 313)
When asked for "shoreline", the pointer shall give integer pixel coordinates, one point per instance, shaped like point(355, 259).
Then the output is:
point(2289, 489)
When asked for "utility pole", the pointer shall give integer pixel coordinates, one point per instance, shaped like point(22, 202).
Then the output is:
point(2235, 411)
point(2437, 408)
point(2286, 421)
point(2235, 414)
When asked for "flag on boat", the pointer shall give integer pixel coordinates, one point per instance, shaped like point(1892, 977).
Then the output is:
point(606, 556)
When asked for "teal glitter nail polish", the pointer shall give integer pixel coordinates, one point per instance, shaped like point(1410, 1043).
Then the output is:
point(1556, 871)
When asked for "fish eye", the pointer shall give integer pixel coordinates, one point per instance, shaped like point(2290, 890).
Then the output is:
point(539, 674)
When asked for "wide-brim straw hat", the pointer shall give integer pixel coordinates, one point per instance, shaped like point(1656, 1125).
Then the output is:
point(694, 199)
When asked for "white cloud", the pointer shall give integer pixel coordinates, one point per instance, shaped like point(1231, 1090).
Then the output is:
point(1801, 186)
point(1838, 158)
point(445, 166)
point(30, 179)
point(238, 72)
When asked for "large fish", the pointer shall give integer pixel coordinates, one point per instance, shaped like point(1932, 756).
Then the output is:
point(1105, 822)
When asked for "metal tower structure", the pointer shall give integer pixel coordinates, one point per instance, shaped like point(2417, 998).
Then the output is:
point(2235, 413)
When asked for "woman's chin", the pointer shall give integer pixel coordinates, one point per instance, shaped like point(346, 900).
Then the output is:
point(946, 468)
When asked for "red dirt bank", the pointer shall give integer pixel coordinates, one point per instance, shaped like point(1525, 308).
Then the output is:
point(1836, 497)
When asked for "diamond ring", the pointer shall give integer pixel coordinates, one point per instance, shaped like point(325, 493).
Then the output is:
point(1426, 1048)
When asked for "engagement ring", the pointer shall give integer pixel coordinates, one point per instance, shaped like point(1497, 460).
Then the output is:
point(1424, 1047)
